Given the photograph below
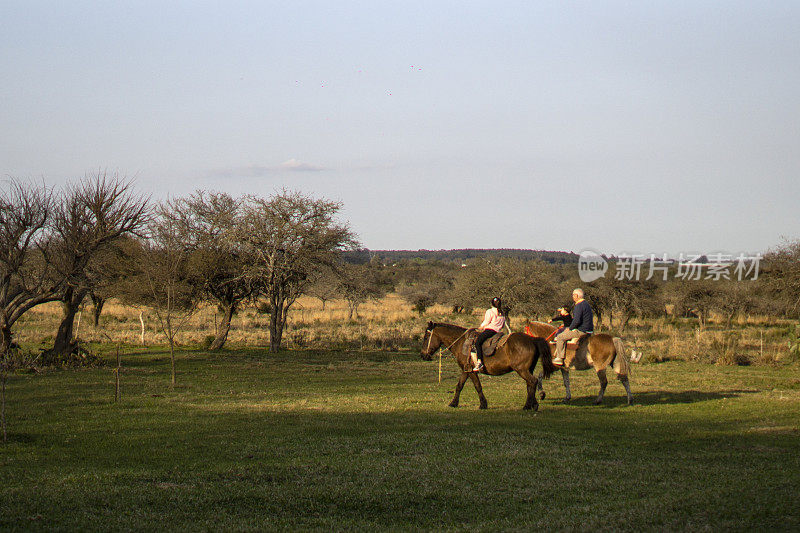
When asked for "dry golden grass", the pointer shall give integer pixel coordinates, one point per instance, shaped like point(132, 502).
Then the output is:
point(760, 340)
point(384, 324)
point(390, 324)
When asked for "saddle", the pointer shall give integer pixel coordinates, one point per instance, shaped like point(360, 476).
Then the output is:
point(490, 345)
point(572, 347)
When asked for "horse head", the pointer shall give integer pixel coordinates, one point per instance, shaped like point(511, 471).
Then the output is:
point(430, 342)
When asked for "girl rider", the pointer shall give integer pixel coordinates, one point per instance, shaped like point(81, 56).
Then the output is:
point(493, 322)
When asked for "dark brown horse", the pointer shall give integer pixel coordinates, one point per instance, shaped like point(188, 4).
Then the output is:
point(600, 352)
point(520, 354)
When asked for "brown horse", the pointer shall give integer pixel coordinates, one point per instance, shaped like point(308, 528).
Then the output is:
point(519, 353)
point(600, 352)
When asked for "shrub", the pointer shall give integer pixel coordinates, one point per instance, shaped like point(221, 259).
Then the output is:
point(794, 343)
point(725, 350)
point(207, 340)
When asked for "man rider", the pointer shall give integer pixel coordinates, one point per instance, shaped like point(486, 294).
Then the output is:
point(582, 323)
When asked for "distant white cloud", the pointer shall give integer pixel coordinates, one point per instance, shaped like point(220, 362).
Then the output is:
point(261, 171)
point(299, 166)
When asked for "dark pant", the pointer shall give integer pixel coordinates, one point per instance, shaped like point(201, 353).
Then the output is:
point(485, 334)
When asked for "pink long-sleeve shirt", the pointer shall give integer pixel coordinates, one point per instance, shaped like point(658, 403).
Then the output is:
point(493, 319)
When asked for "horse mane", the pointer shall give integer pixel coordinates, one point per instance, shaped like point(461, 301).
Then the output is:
point(451, 326)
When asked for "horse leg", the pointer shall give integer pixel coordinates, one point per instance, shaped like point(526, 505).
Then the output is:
point(539, 386)
point(459, 386)
point(565, 376)
point(601, 375)
point(477, 382)
point(624, 380)
point(531, 382)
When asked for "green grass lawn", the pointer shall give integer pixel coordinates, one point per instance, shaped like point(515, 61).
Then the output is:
point(332, 440)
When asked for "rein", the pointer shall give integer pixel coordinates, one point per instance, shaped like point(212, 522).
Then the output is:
point(428, 348)
point(548, 338)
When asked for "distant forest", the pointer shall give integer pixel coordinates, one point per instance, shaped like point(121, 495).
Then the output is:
point(389, 257)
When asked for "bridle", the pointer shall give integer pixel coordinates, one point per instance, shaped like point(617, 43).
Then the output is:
point(428, 347)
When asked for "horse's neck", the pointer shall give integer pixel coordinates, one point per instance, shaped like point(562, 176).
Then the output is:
point(451, 336)
point(543, 327)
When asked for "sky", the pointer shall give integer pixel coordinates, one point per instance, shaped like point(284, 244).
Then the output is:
point(623, 127)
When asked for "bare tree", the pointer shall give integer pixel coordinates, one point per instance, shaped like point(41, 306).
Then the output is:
point(697, 296)
point(217, 262)
point(87, 219)
point(290, 236)
point(110, 270)
point(432, 284)
point(625, 299)
point(422, 295)
point(25, 273)
point(324, 286)
point(526, 287)
point(163, 280)
point(360, 283)
point(781, 273)
point(735, 297)
point(599, 293)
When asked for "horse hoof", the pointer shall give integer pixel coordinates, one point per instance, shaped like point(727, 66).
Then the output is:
point(565, 401)
point(452, 405)
point(598, 402)
point(483, 406)
point(542, 396)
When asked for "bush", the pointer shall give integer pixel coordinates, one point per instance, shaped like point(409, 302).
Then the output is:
point(794, 343)
point(725, 350)
point(207, 340)
point(18, 359)
point(77, 357)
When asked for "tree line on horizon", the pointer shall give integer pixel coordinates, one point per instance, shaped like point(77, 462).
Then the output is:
point(458, 256)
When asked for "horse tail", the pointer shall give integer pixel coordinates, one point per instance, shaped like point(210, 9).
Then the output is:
point(543, 347)
point(621, 362)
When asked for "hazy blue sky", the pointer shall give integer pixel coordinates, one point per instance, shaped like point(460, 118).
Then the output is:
point(622, 126)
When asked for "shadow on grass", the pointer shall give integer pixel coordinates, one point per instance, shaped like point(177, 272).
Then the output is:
point(661, 397)
point(24, 438)
point(385, 471)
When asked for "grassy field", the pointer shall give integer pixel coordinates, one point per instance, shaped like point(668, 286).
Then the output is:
point(363, 440)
